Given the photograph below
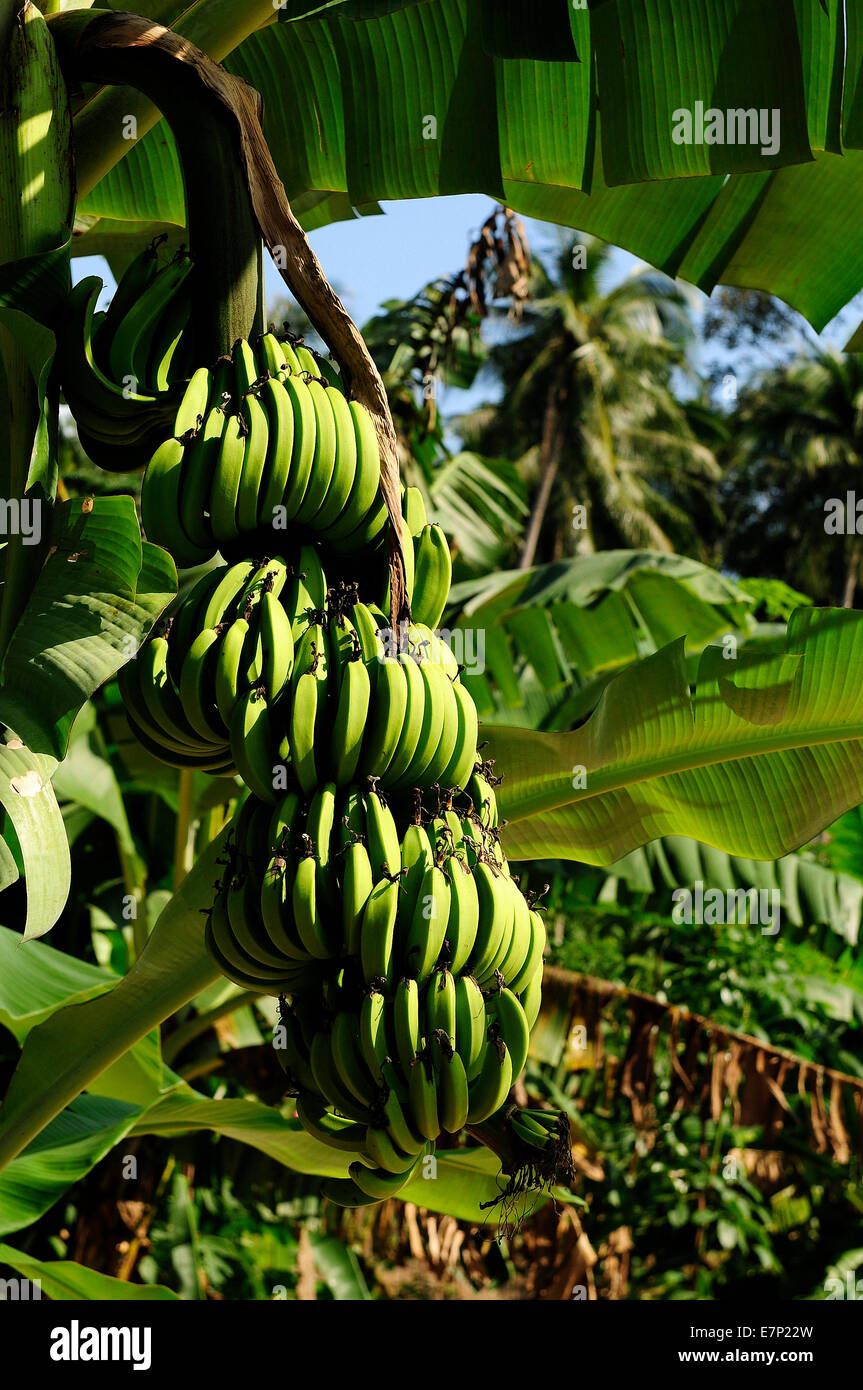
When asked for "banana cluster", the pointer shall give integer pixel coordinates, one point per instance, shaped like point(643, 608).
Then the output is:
point(275, 445)
point(119, 421)
point(413, 960)
point(268, 672)
point(407, 961)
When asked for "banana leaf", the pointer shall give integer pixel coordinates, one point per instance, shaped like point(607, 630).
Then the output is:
point(762, 756)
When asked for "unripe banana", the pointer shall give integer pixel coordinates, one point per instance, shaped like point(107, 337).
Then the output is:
point(432, 577)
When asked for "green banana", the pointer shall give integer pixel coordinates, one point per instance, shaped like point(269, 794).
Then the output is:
point(406, 1022)
point(453, 1096)
point(292, 1056)
point(344, 466)
point(228, 677)
point(349, 725)
point(127, 354)
point(382, 838)
point(432, 577)
point(197, 690)
point(357, 884)
point(327, 1080)
point(520, 943)
point(417, 716)
point(367, 476)
point(491, 1087)
point(378, 1184)
point(246, 371)
point(338, 1133)
point(530, 996)
point(373, 1037)
point(414, 511)
point(458, 771)
point(463, 922)
point(319, 830)
point(536, 951)
point(416, 856)
point(277, 645)
point(514, 1027)
point(276, 403)
point(381, 1149)
point(387, 718)
point(251, 739)
point(269, 355)
point(440, 1005)
point(160, 505)
point(306, 360)
point(225, 486)
point(470, 1024)
point(199, 463)
point(348, 1059)
point(304, 441)
point(495, 909)
point(377, 931)
point(422, 1094)
point(436, 701)
point(276, 908)
point(223, 600)
point(428, 924)
point(309, 926)
point(254, 461)
point(365, 513)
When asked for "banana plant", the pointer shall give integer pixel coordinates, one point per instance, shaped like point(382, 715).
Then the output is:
point(813, 895)
point(763, 755)
point(543, 642)
point(637, 172)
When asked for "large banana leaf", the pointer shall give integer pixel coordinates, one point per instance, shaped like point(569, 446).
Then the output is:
point(66, 1054)
point(63, 1153)
point(812, 895)
point(86, 779)
point(28, 799)
point(36, 980)
point(95, 600)
point(63, 1280)
point(763, 755)
point(348, 89)
point(556, 633)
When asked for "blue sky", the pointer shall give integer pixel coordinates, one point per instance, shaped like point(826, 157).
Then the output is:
point(391, 257)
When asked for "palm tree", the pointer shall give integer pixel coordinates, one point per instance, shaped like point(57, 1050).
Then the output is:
point(799, 444)
point(589, 409)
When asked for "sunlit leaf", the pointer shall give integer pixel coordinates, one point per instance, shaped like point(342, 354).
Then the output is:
point(765, 754)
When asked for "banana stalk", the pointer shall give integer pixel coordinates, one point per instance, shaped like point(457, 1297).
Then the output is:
point(100, 46)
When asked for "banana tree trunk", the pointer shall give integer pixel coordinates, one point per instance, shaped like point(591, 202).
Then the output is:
point(550, 450)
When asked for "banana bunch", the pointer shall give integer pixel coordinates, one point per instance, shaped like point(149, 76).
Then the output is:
point(539, 1129)
point(267, 672)
point(413, 962)
point(411, 959)
point(119, 421)
point(199, 696)
point(330, 884)
point(272, 446)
